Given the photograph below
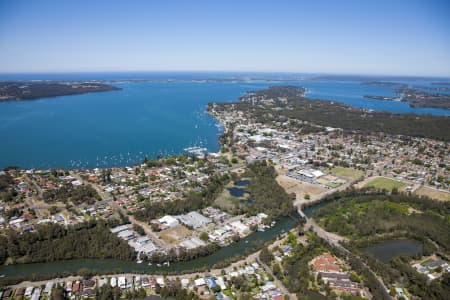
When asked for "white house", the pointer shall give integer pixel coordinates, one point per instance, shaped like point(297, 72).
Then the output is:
point(113, 282)
point(239, 227)
point(200, 282)
point(168, 221)
point(122, 282)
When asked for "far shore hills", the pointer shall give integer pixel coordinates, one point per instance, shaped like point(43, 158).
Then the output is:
point(31, 90)
point(415, 95)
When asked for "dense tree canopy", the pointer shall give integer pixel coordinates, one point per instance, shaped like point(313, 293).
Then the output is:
point(76, 194)
point(7, 191)
point(267, 195)
point(192, 201)
point(368, 214)
point(55, 242)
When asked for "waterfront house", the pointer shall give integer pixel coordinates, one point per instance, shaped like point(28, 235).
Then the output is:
point(19, 293)
point(184, 282)
point(145, 282)
point(76, 287)
point(36, 294)
point(113, 282)
point(28, 291)
point(48, 288)
point(121, 282)
point(199, 282)
point(160, 281)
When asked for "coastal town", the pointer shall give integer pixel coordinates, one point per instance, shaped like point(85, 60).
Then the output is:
point(139, 205)
point(225, 150)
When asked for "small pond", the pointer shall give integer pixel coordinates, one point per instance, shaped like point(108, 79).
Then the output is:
point(385, 251)
point(236, 192)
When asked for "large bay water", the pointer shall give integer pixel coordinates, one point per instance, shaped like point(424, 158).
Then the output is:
point(144, 119)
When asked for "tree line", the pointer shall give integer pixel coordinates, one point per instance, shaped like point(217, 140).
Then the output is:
point(7, 191)
point(267, 195)
point(191, 201)
point(52, 242)
point(76, 194)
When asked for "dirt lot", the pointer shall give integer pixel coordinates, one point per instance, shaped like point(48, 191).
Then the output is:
point(280, 170)
point(175, 234)
point(432, 193)
point(300, 188)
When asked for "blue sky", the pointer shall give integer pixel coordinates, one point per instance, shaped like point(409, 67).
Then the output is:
point(394, 37)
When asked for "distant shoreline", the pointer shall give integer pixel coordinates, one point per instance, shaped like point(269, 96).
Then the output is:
point(33, 90)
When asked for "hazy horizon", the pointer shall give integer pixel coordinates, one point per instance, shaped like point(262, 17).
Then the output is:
point(231, 73)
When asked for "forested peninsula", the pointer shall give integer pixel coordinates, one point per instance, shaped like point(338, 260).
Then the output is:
point(30, 90)
point(288, 105)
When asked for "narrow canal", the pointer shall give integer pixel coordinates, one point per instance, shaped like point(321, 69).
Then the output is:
point(243, 247)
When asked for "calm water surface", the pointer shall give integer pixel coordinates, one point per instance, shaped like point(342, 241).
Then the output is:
point(385, 251)
point(144, 119)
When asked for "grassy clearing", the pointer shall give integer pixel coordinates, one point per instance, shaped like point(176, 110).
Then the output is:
point(347, 172)
point(432, 193)
point(225, 200)
point(385, 183)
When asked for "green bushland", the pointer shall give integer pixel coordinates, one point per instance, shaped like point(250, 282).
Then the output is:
point(365, 215)
point(191, 201)
point(267, 195)
point(52, 242)
point(7, 190)
point(75, 194)
point(368, 216)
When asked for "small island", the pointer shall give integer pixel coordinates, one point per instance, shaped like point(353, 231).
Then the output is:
point(416, 96)
point(383, 98)
point(30, 90)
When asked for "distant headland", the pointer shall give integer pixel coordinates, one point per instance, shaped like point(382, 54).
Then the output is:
point(30, 90)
